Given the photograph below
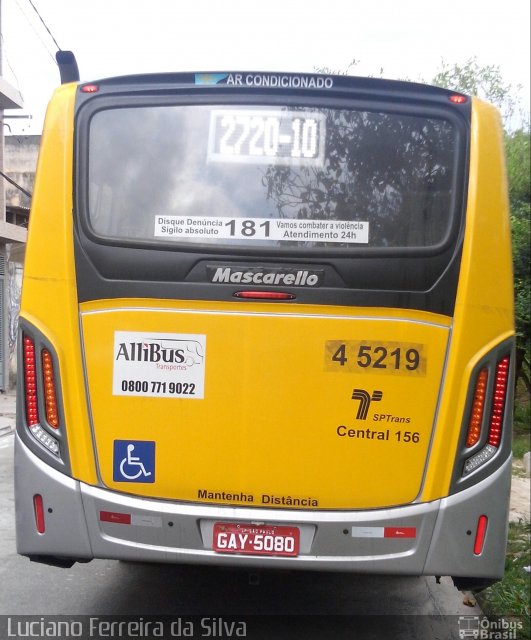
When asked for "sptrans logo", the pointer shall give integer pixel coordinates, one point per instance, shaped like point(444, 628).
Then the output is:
point(365, 399)
point(159, 364)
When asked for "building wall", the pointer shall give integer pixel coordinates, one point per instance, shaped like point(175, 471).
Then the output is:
point(20, 163)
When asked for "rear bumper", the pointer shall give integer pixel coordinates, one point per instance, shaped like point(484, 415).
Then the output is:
point(438, 539)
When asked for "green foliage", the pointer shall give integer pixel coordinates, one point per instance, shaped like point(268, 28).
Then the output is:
point(517, 146)
point(484, 82)
point(521, 230)
point(521, 445)
point(518, 167)
point(338, 72)
point(521, 429)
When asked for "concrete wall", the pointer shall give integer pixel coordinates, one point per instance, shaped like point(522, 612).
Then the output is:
point(20, 163)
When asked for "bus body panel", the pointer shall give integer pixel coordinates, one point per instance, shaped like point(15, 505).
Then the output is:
point(484, 313)
point(255, 434)
point(49, 296)
point(305, 408)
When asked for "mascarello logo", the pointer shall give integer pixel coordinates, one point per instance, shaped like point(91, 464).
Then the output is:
point(270, 276)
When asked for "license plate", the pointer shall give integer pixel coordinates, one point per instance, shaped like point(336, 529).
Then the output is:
point(256, 540)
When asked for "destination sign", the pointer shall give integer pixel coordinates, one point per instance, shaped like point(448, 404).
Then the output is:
point(273, 136)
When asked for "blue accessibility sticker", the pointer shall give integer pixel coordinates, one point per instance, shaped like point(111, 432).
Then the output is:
point(134, 461)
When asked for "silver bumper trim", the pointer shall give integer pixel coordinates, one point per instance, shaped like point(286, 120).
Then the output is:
point(88, 521)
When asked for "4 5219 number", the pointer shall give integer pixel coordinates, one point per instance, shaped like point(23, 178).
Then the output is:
point(377, 357)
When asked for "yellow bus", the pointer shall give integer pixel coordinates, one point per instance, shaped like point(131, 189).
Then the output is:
point(267, 322)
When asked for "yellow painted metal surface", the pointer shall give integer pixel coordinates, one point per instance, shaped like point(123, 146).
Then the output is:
point(49, 292)
point(484, 312)
point(280, 421)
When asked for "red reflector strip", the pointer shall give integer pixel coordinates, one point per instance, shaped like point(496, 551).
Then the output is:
point(480, 535)
point(498, 402)
point(113, 516)
point(38, 507)
point(400, 532)
point(264, 295)
point(30, 382)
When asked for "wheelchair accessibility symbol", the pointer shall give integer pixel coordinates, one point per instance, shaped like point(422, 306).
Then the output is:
point(134, 461)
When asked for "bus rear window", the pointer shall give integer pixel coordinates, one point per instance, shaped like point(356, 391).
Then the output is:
point(271, 176)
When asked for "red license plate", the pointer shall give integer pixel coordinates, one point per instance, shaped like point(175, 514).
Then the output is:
point(256, 540)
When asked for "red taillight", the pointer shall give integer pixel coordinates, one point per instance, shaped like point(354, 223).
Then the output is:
point(478, 406)
point(481, 532)
point(38, 507)
point(40, 432)
point(30, 382)
point(90, 88)
point(50, 400)
point(494, 416)
point(457, 99)
point(264, 295)
point(498, 402)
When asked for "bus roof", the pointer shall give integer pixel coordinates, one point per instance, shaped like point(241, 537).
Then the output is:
point(276, 81)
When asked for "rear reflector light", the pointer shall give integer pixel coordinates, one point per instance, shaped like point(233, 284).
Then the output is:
point(38, 508)
point(479, 459)
point(498, 402)
point(481, 532)
point(30, 382)
point(114, 516)
point(264, 295)
point(400, 532)
point(478, 405)
point(45, 438)
point(50, 400)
